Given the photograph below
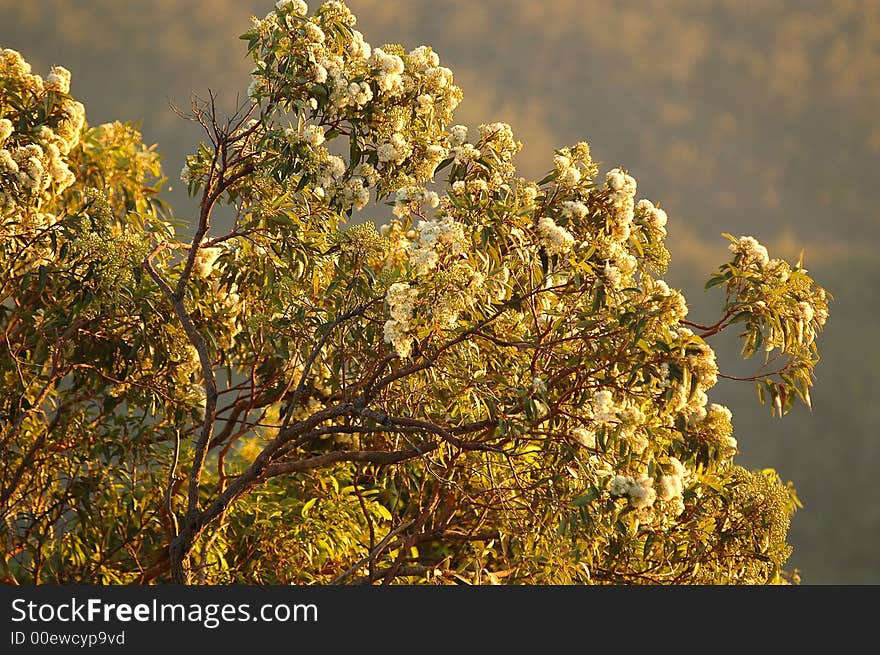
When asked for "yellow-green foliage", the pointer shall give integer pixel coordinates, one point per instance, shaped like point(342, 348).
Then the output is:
point(495, 386)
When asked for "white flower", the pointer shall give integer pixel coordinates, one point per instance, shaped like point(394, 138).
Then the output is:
point(654, 217)
point(584, 437)
point(805, 311)
point(336, 166)
point(434, 236)
point(641, 493)
point(621, 184)
point(314, 33)
point(385, 62)
point(356, 193)
point(395, 151)
point(464, 153)
point(750, 250)
point(530, 194)
point(561, 163)
point(390, 83)
point(555, 239)
point(669, 487)
point(58, 80)
point(572, 209)
point(319, 73)
point(457, 135)
point(611, 276)
point(396, 333)
point(313, 135)
point(721, 411)
point(359, 94)
point(658, 218)
point(570, 177)
point(621, 485)
point(391, 69)
point(359, 48)
point(401, 298)
point(678, 468)
point(423, 58)
point(409, 197)
point(296, 7)
point(6, 129)
point(203, 264)
point(425, 102)
point(386, 153)
point(604, 410)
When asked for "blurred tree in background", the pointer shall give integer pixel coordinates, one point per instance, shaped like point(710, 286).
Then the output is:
point(665, 94)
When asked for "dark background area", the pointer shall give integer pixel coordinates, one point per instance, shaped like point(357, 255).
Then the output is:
point(755, 117)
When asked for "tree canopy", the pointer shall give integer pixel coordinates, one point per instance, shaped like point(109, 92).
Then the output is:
point(494, 386)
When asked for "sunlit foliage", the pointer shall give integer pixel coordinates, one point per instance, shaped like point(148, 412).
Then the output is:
point(495, 386)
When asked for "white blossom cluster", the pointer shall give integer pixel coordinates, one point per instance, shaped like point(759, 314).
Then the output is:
point(603, 407)
point(573, 165)
point(461, 151)
point(333, 183)
point(555, 238)
point(750, 252)
point(626, 417)
point(632, 420)
point(410, 198)
point(33, 163)
point(622, 192)
point(58, 80)
point(435, 238)
point(356, 193)
point(499, 137)
point(346, 77)
point(6, 129)
point(458, 287)
point(311, 135)
point(660, 297)
point(640, 491)
point(330, 171)
point(574, 210)
point(653, 218)
point(670, 486)
point(643, 491)
point(584, 437)
point(612, 276)
point(345, 93)
point(390, 71)
point(699, 371)
point(295, 7)
point(395, 151)
point(203, 263)
point(720, 419)
point(400, 298)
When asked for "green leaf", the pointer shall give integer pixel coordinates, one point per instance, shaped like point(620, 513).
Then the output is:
point(280, 219)
point(715, 280)
point(308, 506)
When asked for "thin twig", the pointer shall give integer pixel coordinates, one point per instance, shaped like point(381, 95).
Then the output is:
point(372, 554)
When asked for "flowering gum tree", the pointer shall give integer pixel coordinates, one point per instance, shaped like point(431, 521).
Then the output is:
point(495, 386)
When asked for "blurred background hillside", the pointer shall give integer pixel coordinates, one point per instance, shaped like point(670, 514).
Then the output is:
point(751, 117)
